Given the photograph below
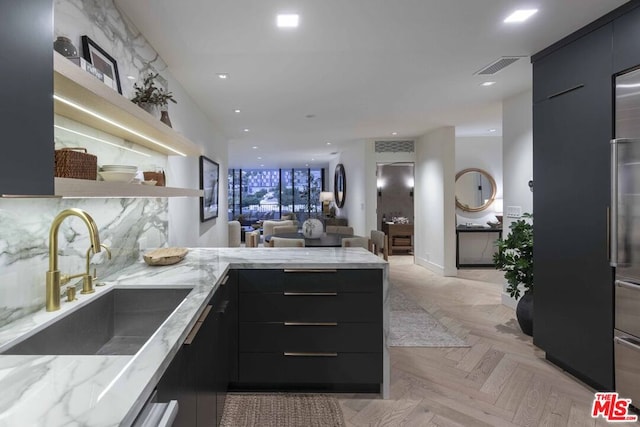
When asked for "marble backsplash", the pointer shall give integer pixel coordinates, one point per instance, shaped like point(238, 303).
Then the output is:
point(126, 226)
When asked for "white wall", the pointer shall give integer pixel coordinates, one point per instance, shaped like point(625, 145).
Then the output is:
point(435, 202)
point(517, 137)
point(354, 159)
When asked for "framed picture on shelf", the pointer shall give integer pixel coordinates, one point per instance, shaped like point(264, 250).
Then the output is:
point(103, 62)
point(209, 177)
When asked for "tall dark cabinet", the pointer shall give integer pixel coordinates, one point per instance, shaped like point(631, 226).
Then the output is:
point(26, 89)
point(572, 126)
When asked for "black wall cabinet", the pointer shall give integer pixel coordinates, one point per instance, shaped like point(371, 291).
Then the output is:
point(26, 113)
point(573, 117)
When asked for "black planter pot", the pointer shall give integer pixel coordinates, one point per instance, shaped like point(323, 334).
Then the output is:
point(524, 313)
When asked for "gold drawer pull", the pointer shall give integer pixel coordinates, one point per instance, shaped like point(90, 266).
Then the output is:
point(224, 281)
point(315, 294)
point(310, 323)
point(197, 326)
point(311, 354)
point(310, 270)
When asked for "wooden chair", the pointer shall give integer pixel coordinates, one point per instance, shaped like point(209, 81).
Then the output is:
point(357, 242)
point(252, 238)
point(380, 243)
point(281, 242)
point(340, 229)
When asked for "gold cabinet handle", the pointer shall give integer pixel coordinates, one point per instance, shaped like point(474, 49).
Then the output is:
point(292, 354)
point(315, 294)
point(310, 270)
point(224, 281)
point(310, 323)
point(197, 326)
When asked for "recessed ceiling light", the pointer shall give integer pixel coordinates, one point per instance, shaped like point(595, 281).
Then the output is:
point(394, 133)
point(492, 130)
point(520, 15)
point(255, 147)
point(487, 83)
point(223, 76)
point(306, 164)
point(289, 20)
point(236, 111)
point(131, 77)
point(261, 166)
point(313, 160)
point(245, 130)
point(328, 143)
point(259, 158)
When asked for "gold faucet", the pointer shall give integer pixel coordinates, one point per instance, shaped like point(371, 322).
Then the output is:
point(87, 280)
point(53, 275)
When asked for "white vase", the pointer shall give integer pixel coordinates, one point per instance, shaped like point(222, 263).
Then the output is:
point(312, 228)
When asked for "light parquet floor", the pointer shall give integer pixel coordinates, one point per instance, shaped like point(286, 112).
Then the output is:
point(501, 380)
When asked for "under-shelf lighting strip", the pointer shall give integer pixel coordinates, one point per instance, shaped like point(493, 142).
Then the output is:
point(101, 140)
point(116, 124)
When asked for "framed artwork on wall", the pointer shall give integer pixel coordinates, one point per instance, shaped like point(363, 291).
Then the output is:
point(103, 62)
point(209, 182)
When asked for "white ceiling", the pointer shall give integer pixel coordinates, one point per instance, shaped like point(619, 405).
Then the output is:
point(363, 68)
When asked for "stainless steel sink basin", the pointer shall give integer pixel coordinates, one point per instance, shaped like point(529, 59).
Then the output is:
point(116, 323)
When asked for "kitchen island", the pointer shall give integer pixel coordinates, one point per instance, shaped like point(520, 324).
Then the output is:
point(111, 390)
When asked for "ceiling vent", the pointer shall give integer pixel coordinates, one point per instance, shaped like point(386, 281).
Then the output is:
point(394, 147)
point(497, 65)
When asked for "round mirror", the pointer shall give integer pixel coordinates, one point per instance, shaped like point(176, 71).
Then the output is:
point(475, 190)
point(339, 185)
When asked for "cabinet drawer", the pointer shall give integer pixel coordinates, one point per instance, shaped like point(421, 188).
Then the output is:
point(316, 280)
point(627, 365)
point(340, 368)
point(287, 337)
point(338, 307)
point(627, 313)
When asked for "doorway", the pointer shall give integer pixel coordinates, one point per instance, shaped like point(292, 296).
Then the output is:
point(395, 182)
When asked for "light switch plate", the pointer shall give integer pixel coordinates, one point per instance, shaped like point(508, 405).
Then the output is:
point(513, 211)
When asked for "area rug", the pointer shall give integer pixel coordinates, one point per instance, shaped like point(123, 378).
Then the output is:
point(412, 326)
point(281, 410)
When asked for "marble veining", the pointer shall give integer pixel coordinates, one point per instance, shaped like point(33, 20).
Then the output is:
point(24, 243)
point(103, 23)
point(111, 390)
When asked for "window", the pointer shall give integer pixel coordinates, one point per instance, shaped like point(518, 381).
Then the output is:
point(259, 194)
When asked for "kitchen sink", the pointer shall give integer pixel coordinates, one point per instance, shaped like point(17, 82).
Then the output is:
point(116, 323)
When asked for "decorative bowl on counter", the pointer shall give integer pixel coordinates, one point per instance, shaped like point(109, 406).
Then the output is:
point(117, 176)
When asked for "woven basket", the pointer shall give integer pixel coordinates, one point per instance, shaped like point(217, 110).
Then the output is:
point(155, 176)
point(75, 163)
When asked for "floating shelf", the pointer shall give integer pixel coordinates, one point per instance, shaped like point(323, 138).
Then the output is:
point(123, 118)
point(68, 187)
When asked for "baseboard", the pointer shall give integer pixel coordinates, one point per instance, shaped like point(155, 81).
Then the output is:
point(508, 301)
point(433, 267)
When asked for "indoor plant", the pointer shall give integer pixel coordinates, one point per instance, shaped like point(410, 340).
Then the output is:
point(515, 258)
point(149, 97)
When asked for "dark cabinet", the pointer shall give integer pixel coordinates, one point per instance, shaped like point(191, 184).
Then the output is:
point(310, 329)
point(26, 115)
point(626, 41)
point(198, 376)
point(573, 316)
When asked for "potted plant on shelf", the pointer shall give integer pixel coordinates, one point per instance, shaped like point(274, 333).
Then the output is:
point(515, 258)
point(150, 97)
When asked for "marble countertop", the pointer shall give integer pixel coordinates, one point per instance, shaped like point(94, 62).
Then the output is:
point(111, 390)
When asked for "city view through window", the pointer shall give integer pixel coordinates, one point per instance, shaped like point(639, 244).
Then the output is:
point(259, 194)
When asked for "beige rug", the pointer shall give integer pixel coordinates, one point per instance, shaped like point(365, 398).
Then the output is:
point(281, 410)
